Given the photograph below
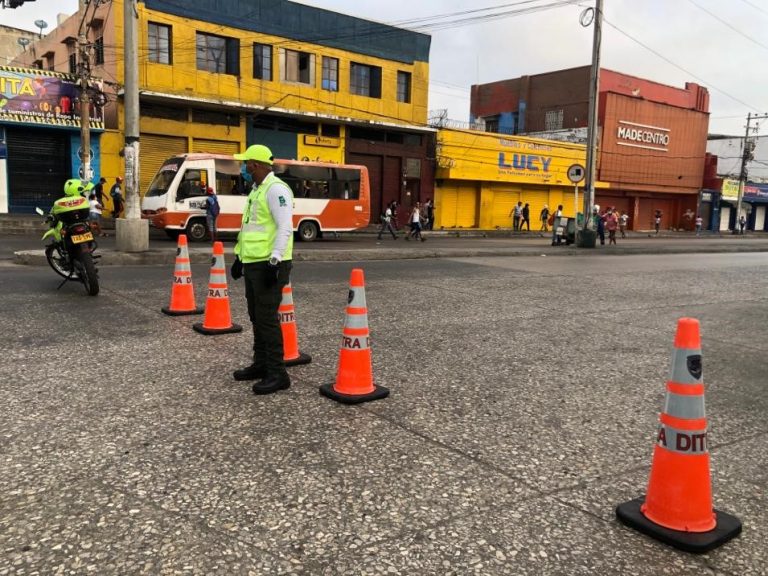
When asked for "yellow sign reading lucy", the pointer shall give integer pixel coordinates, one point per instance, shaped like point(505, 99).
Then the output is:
point(491, 157)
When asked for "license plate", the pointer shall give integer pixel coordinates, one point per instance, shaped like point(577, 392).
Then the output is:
point(80, 238)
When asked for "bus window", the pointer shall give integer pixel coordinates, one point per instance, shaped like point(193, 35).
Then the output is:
point(228, 184)
point(164, 177)
point(194, 183)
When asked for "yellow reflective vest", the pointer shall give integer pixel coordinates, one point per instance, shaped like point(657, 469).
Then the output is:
point(258, 229)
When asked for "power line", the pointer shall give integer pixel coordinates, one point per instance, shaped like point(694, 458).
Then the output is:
point(724, 23)
point(755, 6)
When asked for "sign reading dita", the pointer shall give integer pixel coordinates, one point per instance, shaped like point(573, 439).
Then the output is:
point(30, 96)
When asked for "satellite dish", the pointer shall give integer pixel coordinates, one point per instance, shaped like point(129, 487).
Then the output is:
point(41, 24)
point(23, 42)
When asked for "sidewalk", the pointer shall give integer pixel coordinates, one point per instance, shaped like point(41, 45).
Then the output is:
point(363, 246)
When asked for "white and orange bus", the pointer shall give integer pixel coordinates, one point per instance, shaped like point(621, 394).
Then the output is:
point(327, 197)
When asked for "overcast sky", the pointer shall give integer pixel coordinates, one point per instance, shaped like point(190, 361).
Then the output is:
point(718, 44)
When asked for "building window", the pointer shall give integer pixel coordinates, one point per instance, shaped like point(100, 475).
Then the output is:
point(330, 74)
point(403, 87)
point(38, 64)
point(365, 80)
point(50, 62)
point(218, 54)
point(553, 120)
point(160, 43)
point(262, 61)
point(98, 49)
point(298, 67)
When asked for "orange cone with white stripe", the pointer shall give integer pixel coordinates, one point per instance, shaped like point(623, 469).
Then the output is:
point(677, 508)
point(182, 292)
point(291, 354)
point(218, 319)
point(354, 380)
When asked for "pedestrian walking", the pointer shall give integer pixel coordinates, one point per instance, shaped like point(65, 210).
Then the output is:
point(517, 215)
point(699, 222)
point(101, 196)
point(526, 217)
point(611, 224)
point(430, 209)
point(386, 223)
point(544, 217)
point(556, 238)
point(117, 198)
point(657, 221)
point(623, 219)
point(263, 256)
point(212, 210)
point(742, 223)
point(94, 215)
point(599, 223)
point(415, 221)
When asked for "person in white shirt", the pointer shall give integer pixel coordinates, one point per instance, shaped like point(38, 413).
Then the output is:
point(94, 215)
point(386, 223)
point(415, 221)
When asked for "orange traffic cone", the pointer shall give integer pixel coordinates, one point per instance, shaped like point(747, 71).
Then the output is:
point(182, 291)
point(287, 315)
point(354, 380)
point(677, 508)
point(218, 319)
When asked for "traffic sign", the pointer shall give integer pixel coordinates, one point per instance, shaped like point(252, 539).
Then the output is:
point(576, 173)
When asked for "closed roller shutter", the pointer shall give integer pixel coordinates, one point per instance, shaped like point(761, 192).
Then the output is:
point(215, 146)
point(153, 151)
point(457, 207)
point(504, 201)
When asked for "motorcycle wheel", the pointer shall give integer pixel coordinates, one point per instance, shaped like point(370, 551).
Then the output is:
point(57, 261)
point(88, 274)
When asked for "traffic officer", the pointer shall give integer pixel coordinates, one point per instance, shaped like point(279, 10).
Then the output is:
point(263, 255)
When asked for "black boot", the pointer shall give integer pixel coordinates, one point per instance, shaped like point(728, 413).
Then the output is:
point(272, 383)
point(252, 372)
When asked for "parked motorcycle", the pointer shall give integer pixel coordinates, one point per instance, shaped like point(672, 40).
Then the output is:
point(71, 252)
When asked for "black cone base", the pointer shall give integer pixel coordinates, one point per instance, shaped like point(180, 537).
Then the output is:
point(378, 393)
point(300, 359)
point(198, 327)
point(697, 542)
point(166, 310)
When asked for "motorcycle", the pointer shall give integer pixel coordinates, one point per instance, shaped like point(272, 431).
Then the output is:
point(71, 252)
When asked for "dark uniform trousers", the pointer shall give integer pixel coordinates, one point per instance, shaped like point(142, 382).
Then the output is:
point(263, 300)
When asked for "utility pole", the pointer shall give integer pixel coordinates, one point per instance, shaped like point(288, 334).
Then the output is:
point(746, 156)
point(84, 69)
point(586, 236)
point(132, 231)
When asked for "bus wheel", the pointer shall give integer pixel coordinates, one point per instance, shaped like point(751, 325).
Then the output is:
point(308, 231)
point(196, 230)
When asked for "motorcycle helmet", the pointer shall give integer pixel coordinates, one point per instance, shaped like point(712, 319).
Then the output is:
point(73, 187)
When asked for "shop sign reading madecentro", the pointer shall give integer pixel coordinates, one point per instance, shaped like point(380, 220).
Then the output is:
point(642, 136)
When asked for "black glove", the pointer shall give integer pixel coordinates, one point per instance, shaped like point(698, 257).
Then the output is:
point(273, 272)
point(237, 269)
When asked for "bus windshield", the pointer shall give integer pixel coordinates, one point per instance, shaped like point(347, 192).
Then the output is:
point(164, 177)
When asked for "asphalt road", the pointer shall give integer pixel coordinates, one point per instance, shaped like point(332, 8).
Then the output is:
point(524, 401)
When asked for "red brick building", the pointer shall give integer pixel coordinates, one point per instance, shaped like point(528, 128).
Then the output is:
point(652, 137)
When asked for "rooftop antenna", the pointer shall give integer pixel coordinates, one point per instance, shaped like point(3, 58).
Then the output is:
point(23, 42)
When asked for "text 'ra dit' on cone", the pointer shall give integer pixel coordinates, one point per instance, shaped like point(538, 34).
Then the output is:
point(182, 292)
point(677, 508)
point(287, 314)
point(354, 379)
point(218, 319)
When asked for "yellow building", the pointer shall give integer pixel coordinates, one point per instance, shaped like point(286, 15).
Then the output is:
point(217, 75)
point(481, 176)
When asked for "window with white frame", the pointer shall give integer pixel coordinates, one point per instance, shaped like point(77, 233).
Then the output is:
point(159, 43)
point(330, 74)
point(298, 67)
point(553, 120)
point(403, 86)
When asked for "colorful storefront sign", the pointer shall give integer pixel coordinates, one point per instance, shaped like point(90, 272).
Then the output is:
point(42, 98)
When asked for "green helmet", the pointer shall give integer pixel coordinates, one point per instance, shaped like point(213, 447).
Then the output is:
point(73, 187)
